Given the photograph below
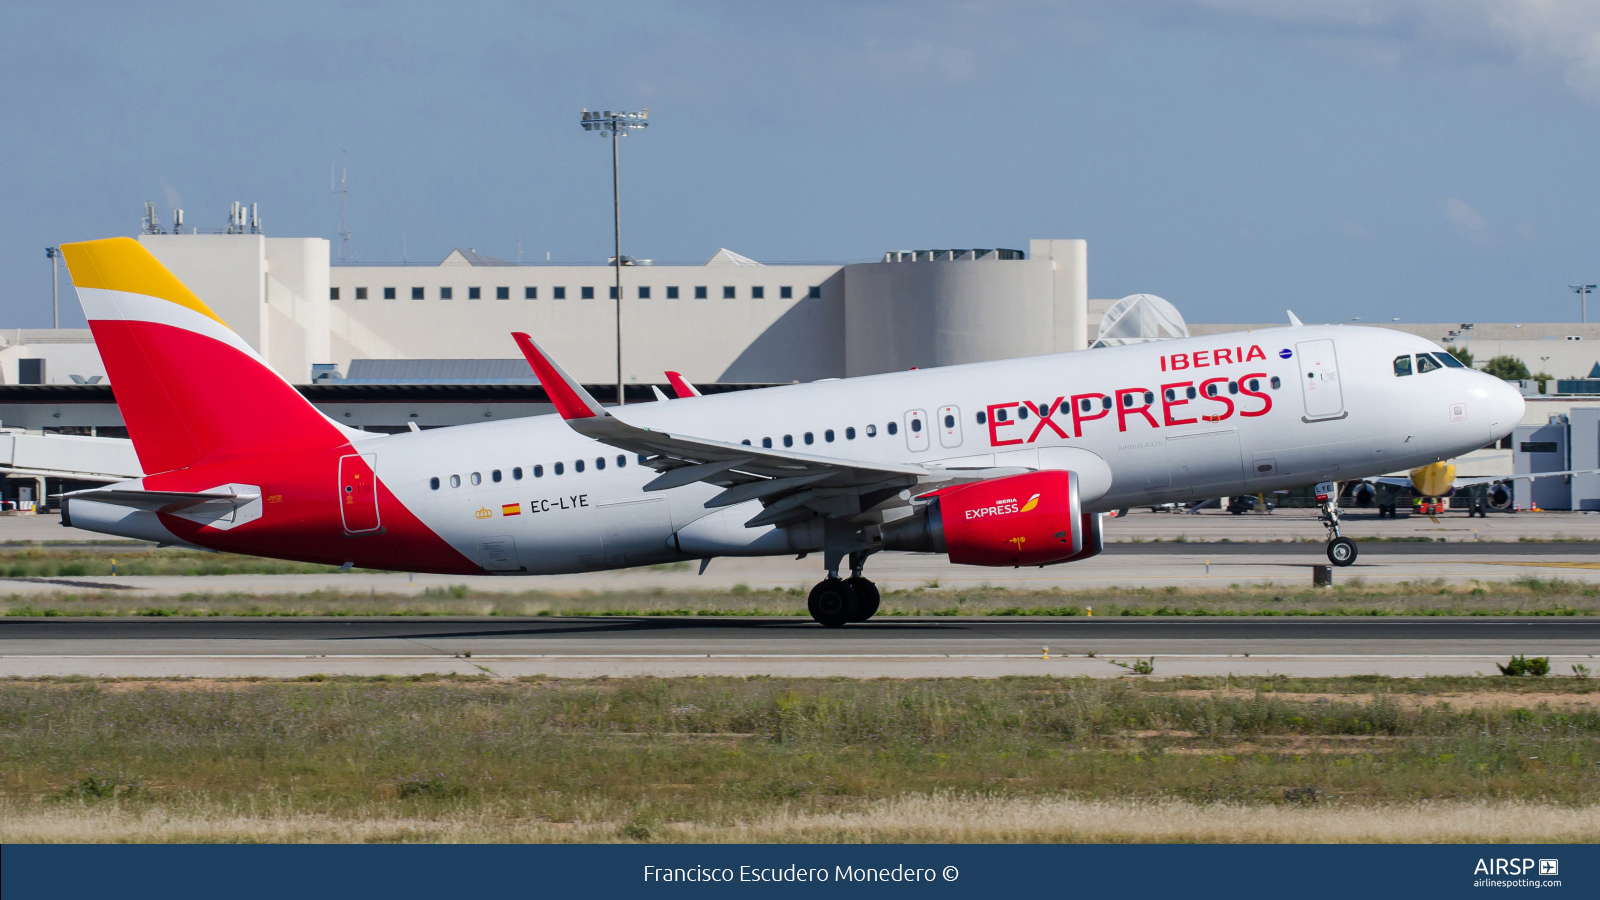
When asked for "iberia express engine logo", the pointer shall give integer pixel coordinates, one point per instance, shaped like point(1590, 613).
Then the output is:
point(1003, 508)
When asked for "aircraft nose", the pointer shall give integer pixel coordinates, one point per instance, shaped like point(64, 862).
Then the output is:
point(1506, 406)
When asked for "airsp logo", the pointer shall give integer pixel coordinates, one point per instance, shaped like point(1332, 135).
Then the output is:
point(1549, 867)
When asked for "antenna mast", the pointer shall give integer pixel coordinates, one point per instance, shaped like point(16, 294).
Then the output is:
point(338, 187)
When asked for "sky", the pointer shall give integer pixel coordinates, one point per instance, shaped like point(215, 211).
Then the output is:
point(1427, 160)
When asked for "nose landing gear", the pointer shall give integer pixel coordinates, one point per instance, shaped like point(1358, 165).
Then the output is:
point(1341, 550)
point(835, 602)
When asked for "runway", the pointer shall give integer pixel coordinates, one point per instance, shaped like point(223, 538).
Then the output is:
point(897, 647)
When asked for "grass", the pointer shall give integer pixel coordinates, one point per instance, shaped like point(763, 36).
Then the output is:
point(770, 759)
point(43, 561)
point(1528, 596)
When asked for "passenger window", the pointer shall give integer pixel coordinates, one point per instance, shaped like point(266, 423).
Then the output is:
point(1211, 390)
point(1171, 395)
point(916, 426)
point(599, 462)
point(1255, 384)
point(1149, 398)
point(433, 483)
point(1233, 387)
point(495, 476)
point(1402, 365)
point(809, 438)
point(788, 440)
point(828, 435)
point(872, 431)
point(982, 418)
point(745, 442)
point(516, 474)
point(1105, 402)
point(538, 471)
point(641, 459)
point(1022, 412)
point(1086, 404)
point(477, 479)
point(949, 421)
point(767, 443)
point(999, 415)
point(1450, 361)
point(894, 428)
point(1426, 363)
point(577, 465)
point(850, 433)
point(455, 481)
point(622, 460)
point(1276, 382)
point(1191, 395)
point(561, 469)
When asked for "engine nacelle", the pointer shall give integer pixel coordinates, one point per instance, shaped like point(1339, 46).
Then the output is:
point(1020, 520)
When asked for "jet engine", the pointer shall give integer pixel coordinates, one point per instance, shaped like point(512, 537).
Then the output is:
point(1020, 520)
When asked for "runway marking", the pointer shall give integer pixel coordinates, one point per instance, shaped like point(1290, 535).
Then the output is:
point(1542, 565)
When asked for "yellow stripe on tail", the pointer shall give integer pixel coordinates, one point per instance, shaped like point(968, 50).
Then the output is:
point(123, 264)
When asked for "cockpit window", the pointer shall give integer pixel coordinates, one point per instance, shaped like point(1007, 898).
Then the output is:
point(1450, 361)
point(1426, 363)
point(1402, 365)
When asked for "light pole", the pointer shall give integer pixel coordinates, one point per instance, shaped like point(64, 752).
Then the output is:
point(1582, 290)
point(617, 125)
point(54, 253)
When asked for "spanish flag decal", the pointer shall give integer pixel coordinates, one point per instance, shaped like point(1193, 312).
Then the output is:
point(511, 509)
point(1032, 502)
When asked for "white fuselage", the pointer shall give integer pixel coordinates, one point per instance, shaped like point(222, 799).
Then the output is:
point(1339, 412)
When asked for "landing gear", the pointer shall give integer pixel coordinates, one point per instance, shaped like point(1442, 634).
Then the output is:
point(1341, 550)
point(835, 602)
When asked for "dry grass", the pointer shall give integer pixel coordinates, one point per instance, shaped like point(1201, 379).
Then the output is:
point(936, 818)
point(793, 759)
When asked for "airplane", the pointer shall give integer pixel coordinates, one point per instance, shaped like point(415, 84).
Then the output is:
point(1004, 463)
point(1431, 483)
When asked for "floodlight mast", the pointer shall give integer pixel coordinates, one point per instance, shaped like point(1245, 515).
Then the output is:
point(616, 124)
point(1582, 290)
point(55, 285)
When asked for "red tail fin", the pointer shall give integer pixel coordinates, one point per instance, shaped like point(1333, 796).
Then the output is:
point(189, 388)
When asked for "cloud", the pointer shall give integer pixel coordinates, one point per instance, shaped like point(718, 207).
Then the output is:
point(1561, 36)
point(1467, 222)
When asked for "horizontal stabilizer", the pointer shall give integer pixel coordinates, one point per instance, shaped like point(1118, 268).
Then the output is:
point(164, 501)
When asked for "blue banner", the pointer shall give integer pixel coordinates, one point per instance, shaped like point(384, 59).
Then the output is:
point(794, 870)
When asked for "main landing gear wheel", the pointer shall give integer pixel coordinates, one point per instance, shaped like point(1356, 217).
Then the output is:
point(833, 603)
point(1341, 551)
point(866, 598)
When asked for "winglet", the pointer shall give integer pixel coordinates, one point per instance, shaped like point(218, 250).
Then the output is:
point(1294, 320)
point(680, 387)
point(569, 397)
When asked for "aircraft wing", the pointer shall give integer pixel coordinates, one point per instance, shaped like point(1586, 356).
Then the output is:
point(791, 486)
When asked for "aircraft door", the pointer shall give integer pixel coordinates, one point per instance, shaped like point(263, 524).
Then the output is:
point(949, 426)
point(917, 431)
point(1319, 379)
point(358, 493)
point(1206, 465)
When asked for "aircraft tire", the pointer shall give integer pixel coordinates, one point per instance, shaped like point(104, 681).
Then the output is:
point(867, 598)
point(833, 603)
point(1342, 551)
